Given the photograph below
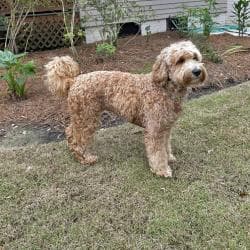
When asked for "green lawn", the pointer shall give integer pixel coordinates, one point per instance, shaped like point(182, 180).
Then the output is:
point(49, 201)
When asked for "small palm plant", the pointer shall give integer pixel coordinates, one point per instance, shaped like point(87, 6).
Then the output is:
point(241, 11)
point(16, 72)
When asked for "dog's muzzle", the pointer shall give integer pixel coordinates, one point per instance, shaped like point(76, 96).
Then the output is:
point(196, 71)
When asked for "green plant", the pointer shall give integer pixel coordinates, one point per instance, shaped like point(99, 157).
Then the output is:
point(113, 13)
point(206, 48)
point(105, 49)
point(181, 23)
point(72, 31)
point(191, 18)
point(16, 72)
point(2, 20)
point(148, 32)
point(241, 11)
point(211, 54)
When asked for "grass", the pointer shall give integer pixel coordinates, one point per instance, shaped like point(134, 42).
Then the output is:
point(48, 201)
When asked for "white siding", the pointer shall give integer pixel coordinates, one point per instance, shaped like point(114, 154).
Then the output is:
point(166, 8)
point(230, 17)
point(162, 9)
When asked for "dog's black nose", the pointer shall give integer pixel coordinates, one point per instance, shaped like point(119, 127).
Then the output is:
point(196, 71)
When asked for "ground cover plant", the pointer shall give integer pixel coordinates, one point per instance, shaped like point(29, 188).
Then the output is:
point(47, 200)
point(105, 50)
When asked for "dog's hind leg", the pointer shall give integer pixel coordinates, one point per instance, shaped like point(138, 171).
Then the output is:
point(156, 148)
point(84, 122)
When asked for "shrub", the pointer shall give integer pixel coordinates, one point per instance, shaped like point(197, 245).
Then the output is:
point(241, 11)
point(16, 72)
point(206, 48)
point(187, 23)
point(105, 49)
point(191, 18)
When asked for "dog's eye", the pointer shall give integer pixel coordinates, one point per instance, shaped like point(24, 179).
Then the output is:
point(180, 61)
point(195, 57)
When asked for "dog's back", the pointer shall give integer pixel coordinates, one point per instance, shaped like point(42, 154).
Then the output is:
point(118, 92)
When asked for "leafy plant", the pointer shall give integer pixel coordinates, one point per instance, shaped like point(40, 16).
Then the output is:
point(148, 32)
point(2, 20)
point(72, 31)
point(206, 48)
point(105, 49)
point(181, 23)
point(16, 72)
point(191, 18)
point(209, 52)
point(241, 11)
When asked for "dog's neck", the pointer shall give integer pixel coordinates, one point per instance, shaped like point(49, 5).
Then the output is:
point(175, 91)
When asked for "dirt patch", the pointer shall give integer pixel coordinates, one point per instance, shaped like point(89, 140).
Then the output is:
point(134, 55)
point(19, 136)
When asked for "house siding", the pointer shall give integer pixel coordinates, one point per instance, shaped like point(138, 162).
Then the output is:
point(166, 8)
point(161, 9)
point(157, 12)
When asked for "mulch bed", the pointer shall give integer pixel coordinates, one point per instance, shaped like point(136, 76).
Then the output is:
point(133, 54)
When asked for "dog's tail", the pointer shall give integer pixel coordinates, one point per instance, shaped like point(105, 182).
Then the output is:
point(60, 74)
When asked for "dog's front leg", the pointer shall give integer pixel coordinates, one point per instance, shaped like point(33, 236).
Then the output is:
point(156, 148)
point(171, 157)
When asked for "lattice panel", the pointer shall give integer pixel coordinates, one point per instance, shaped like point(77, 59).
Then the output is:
point(47, 32)
point(42, 7)
point(53, 5)
point(4, 7)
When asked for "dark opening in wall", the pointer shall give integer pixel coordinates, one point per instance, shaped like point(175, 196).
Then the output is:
point(129, 29)
point(177, 23)
point(171, 23)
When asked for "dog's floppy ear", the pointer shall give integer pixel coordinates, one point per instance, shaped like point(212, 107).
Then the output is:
point(160, 71)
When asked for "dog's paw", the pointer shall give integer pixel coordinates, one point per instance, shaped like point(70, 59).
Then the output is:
point(89, 159)
point(163, 173)
point(171, 158)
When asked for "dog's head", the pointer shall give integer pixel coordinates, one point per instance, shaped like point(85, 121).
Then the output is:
point(181, 64)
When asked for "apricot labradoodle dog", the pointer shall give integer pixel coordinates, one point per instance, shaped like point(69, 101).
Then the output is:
point(152, 101)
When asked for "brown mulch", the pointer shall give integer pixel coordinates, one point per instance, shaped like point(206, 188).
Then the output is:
point(41, 107)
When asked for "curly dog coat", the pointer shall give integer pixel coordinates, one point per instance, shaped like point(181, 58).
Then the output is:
point(152, 101)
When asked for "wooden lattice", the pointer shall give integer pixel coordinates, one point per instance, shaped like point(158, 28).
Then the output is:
point(4, 7)
point(45, 32)
point(54, 5)
point(44, 6)
point(47, 29)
